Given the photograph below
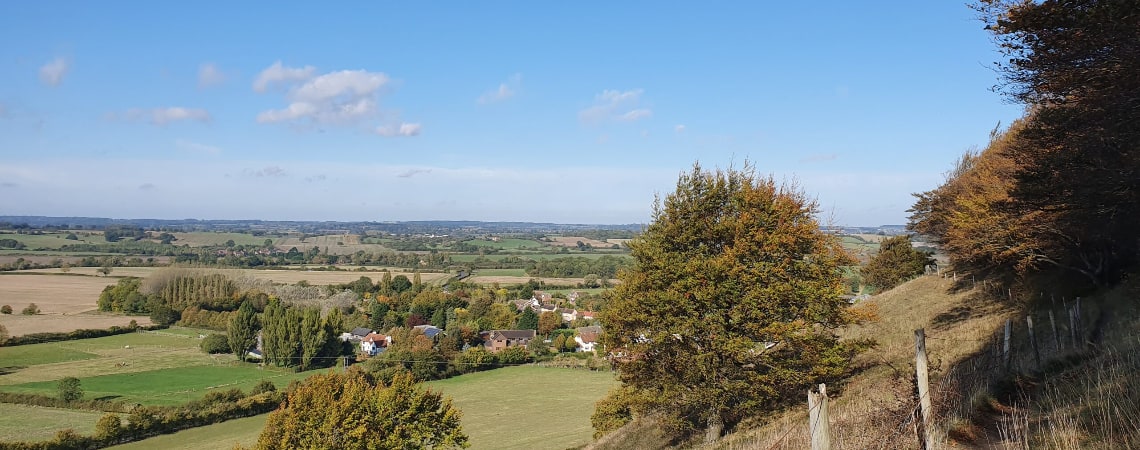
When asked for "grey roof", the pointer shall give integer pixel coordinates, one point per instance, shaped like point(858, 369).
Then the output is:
point(512, 334)
point(361, 331)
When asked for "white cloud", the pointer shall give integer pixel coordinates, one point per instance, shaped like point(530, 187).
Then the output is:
point(679, 128)
point(267, 171)
point(403, 129)
point(613, 105)
point(163, 116)
point(346, 97)
point(210, 75)
point(504, 91)
point(195, 147)
point(412, 172)
point(636, 114)
point(52, 73)
point(280, 74)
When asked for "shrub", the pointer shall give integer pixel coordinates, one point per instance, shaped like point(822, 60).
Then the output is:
point(513, 355)
point(215, 344)
point(31, 310)
point(262, 387)
point(6, 309)
point(109, 428)
point(70, 390)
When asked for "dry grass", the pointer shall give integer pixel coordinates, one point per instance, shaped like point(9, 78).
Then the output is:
point(19, 325)
point(53, 294)
point(874, 408)
point(315, 277)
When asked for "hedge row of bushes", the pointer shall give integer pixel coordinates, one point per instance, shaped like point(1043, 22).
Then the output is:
point(36, 338)
point(147, 421)
point(55, 402)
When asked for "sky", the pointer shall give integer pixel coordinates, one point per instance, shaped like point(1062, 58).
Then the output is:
point(566, 112)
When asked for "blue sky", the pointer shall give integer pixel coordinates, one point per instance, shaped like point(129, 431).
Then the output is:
point(573, 112)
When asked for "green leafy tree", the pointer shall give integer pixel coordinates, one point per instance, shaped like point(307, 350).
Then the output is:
point(69, 389)
point(349, 411)
point(896, 262)
point(6, 309)
point(732, 304)
point(215, 343)
point(242, 330)
point(528, 320)
point(30, 310)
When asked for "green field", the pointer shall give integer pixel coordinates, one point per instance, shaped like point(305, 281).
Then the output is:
point(203, 238)
point(538, 256)
point(507, 243)
point(527, 407)
point(31, 355)
point(52, 241)
point(170, 386)
point(219, 436)
point(154, 368)
point(36, 423)
point(501, 272)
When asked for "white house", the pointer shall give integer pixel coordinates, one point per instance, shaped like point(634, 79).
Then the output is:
point(374, 344)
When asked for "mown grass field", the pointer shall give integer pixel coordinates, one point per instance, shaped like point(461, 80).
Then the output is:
point(36, 423)
point(541, 256)
point(527, 407)
point(219, 436)
point(275, 275)
point(204, 238)
point(154, 368)
point(501, 272)
point(508, 243)
point(53, 240)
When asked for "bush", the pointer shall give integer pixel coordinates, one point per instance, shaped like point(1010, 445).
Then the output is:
point(215, 344)
point(164, 315)
point(109, 428)
point(6, 309)
point(263, 386)
point(514, 355)
point(70, 390)
point(31, 310)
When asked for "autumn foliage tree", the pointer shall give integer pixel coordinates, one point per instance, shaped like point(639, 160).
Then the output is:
point(896, 262)
point(1057, 191)
point(732, 303)
point(351, 411)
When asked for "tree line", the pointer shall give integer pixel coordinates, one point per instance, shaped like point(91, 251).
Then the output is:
point(1056, 192)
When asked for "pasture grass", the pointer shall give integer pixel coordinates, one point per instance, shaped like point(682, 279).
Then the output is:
point(35, 354)
point(501, 272)
point(38, 423)
point(170, 386)
point(527, 407)
point(219, 436)
point(204, 238)
point(51, 241)
point(508, 243)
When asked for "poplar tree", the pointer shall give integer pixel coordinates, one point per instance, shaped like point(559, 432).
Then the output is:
point(242, 330)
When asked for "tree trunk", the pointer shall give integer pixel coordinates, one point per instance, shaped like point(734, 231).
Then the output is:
point(716, 426)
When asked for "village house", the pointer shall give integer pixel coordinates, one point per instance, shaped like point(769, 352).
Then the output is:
point(496, 340)
point(355, 335)
point(428, 330)
point(374, 344)
point(568, 315)
point(588, 338)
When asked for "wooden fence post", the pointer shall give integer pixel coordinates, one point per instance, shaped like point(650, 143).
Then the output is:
point(1005, 343)
point(818, 420)
point(1056, 337)
point(1033, 342)
point(1080, 326)
point(922, 379)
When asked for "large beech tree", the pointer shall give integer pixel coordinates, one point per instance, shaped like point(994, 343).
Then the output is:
point(351, 411)
point(732, 302)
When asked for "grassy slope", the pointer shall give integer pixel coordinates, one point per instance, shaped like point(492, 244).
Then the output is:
point(527, 407)
point(867, 409)
point(157, 368)
point(219, 436)
point(516, 407)
point(1082, 399)
point(34, 423)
